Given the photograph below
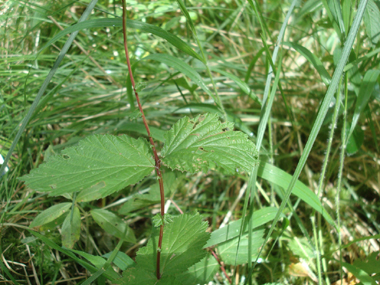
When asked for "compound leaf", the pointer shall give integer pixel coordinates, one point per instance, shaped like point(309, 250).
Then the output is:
point(113, 225)
point(204, 142)
point(71, 229)
point(182, 246)
point(51, 214)
point(97, 167)
point(227, 250)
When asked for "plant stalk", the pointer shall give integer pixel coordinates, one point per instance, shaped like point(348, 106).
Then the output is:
point(156, 158)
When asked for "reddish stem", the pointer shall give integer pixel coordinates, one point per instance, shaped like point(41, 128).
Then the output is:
point(156, 158)
point(221, 266)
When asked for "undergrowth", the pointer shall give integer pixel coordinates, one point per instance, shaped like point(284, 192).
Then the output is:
point(252, 158)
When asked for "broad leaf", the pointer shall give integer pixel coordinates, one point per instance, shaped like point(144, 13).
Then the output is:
point(205, 143)
point(182, 246)
point(51, 214)
point(153, 197)
point(227, 250)
point(98, 166)
point(71, 228)
point(366, 88)
point(113, 225)
point(372, 21)
point(232, 230)
point(201, 272)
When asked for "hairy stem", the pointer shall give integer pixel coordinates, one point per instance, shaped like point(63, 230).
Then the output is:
point(156, 158)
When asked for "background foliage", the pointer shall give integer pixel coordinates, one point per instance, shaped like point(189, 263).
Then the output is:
point(87, 96)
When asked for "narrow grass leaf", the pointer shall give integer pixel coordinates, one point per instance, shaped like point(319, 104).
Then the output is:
point(182, 67)
point(98, 262)
point(323, 110)
point(113, 225)
point(51, 214)
point(240, 83)
point(121, 260)
point(142, 27)
point(313, 60)
point(97, 167)
point(205, 143)
point(53, 70)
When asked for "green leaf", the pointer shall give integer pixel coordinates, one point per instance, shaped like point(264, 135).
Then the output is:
point(360, 273)
point(355, 141)
point(98, 166)
point(201, 272)
point(372, 21)
point(227, 250)
point(182, 67)
point(182, 246)
point(371, 265)
point(99, 262)
point(238, 123)
point(279, 177)
point(142, 27)
point(313, 60)
point(71, 228)
point(51, 214)
point(139, 201)
point(366, 88)
point(242, 85)
point(121, 260)
point(113, 225)
point(205, 143)
point(232, 230)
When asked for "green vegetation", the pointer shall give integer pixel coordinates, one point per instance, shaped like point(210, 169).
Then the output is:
point(289, 194)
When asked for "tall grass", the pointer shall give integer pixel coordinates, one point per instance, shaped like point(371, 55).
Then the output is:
point(300, 79)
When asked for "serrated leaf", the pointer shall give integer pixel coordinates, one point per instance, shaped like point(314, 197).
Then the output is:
point(71, 229)
point(98, 166)
point(182, 244)
point(372, 21)
point(153, 197)
point(227, 250)
point(113, 225)
point(51, 214)
point(205, 143)
point(201, 272)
